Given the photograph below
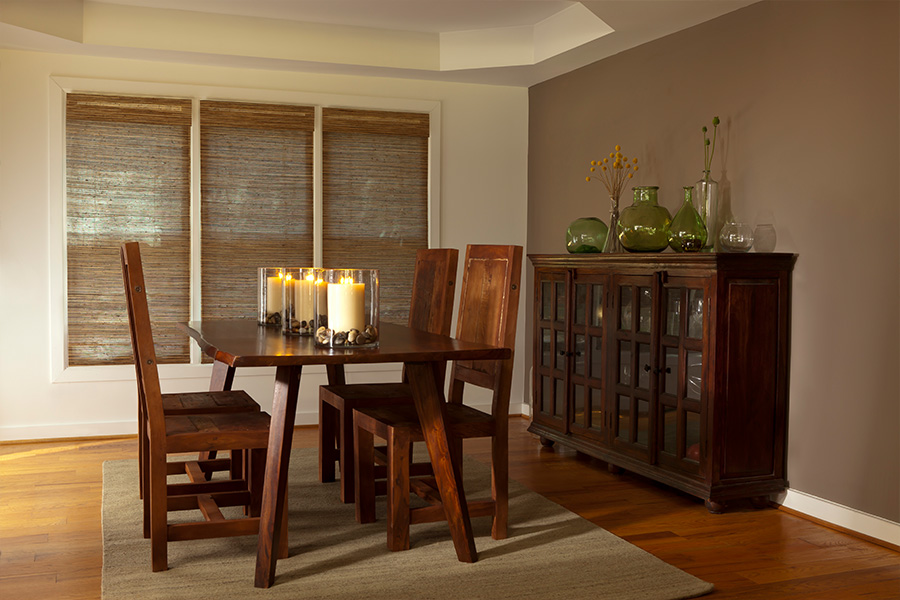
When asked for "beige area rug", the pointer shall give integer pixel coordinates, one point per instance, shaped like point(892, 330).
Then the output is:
point(550, 553)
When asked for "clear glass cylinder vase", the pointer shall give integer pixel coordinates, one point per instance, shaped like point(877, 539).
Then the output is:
point(347, 308)
point(706, 193)
point(612, 244)
point(271, 296)
point(299, 314)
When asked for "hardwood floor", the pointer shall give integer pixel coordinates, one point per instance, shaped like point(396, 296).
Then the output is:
point(51, 547)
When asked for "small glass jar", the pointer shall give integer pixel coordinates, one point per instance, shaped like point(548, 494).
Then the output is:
point(271, 296)
point(587, 234)
point(687, 233)
point(644, 226)
point(347, 308)
point(736, 237)
point(299, 315)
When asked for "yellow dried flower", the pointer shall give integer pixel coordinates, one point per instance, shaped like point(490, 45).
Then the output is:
point(593, 162)
point(592, 169)
point(587, 178)
point(618, 147)
point(635, 160)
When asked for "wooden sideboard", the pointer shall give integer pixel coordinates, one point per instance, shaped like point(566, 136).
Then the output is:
point(672, 366)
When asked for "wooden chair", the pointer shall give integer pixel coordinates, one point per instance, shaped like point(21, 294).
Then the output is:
point(488, 310)
point(177, 433)
point(193, 403)
point(431, 309)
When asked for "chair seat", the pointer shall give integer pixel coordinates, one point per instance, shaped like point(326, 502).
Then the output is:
point(193, 403)
point(462, 421)
point(207, 432)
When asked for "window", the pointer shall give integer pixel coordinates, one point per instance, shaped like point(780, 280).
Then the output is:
point(129, 174)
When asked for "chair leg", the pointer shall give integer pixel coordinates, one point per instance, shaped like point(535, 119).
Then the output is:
point(500, 483)
point(256, 473)
point(398, 448)
point(345, 449)
point(145, 479)
point(364, 473)
point(158, 510)
point(327, 433)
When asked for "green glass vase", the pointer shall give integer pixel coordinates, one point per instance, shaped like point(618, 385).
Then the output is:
point(687, 233)
point(644, 226)
point(587, 234)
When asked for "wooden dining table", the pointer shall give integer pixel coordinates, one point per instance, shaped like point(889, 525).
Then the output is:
point(243, 343)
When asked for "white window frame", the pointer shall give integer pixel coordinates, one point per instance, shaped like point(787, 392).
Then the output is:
point(60, 372)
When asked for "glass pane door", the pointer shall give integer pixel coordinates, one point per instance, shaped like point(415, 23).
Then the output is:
point(588, 418)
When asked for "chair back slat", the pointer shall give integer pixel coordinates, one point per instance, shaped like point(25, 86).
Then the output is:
point(488, 311)
point(146, 370)
point(431, 305)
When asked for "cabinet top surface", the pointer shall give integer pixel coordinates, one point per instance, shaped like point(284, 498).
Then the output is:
point(707, 260)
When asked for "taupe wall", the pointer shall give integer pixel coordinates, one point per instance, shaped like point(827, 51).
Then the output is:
point(809, 98)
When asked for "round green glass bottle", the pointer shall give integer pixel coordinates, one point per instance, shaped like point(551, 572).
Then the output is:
point(587, 234)
point(644, 226)
point(687, 233)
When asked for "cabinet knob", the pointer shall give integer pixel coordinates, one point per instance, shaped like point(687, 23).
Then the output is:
point(647, 368)
point(562, 352)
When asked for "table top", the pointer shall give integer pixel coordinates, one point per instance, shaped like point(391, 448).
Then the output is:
point(244, 343)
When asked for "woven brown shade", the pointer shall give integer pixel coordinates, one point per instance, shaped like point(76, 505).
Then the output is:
point(375, 198)
point(127, 178)
point(256, 209)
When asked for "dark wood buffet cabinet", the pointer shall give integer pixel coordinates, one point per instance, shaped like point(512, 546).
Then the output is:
point(672, 366)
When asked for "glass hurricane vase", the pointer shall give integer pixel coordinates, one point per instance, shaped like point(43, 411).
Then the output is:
point(687, 233)
point(644, 226)
point(706, 192)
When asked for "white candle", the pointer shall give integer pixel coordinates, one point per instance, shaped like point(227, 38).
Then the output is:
point(303, 299)
point(274, 301)
point(346, 305)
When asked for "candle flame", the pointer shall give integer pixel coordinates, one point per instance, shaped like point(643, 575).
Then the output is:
point(346, 280)
point(288, 277)
point(310, 277)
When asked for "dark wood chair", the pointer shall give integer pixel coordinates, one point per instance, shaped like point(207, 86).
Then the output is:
point(431, 309)
point(488, 310)
point(193, 403)
point(195, 432)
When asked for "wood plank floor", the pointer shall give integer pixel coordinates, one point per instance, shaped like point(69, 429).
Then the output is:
point(51, 547)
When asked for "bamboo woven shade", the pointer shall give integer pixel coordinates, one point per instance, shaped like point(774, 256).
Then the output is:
point(256, 186)
point(127, 178)
point(375, 198)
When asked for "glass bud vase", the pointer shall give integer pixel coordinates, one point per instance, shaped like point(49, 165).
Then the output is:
point(706, 192)
point(587, 234)
point(687, 233)
point(612, 244)
point(644, 226)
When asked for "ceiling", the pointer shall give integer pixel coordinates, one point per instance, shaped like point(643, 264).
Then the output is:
point(500, 42)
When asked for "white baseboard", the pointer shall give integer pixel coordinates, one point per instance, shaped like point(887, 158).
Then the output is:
point(842, 516)
point(67, 430)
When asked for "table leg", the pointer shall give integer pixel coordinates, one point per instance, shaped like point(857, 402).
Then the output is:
point(281, 431)
point(428, 398)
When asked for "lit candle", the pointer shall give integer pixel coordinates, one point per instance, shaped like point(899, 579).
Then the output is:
point(304, 290)
point(274, 301)
point(346, 305)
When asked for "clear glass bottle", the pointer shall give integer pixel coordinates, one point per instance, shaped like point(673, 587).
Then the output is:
point(644, 226)
point(687, 233)
point(612, 244)
point(706, 192)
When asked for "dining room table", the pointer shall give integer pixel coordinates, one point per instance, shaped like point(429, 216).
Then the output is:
point(242, 343)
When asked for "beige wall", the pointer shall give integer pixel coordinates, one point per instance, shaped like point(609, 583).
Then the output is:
point(809, 100)
point(482, 160)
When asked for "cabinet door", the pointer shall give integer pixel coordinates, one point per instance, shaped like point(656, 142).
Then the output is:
point(586, 346)
point(550, 348)
point(683, 353)
point(632, 363)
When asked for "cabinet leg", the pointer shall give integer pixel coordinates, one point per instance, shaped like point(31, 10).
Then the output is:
point(548, 443)
point(615, 470)
point(715, 508)
point(759, 502)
